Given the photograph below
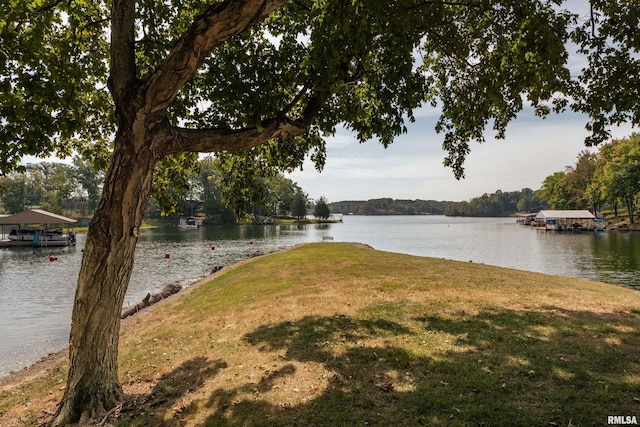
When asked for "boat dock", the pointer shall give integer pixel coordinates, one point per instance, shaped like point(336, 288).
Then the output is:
point(565, 220)
point(37, 237)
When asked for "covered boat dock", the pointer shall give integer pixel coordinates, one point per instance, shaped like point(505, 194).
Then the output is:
point(527, 218)
point(20, 236)
point(564, 220)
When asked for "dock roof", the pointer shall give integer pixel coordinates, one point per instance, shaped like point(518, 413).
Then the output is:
point(36, 216)
point(565, 214)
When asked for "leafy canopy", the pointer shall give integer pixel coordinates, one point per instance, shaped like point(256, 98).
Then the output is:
point(608, 88)
point(368, 65)
point(53, 74)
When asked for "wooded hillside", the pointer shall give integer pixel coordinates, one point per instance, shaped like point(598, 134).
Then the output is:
point(388, 206)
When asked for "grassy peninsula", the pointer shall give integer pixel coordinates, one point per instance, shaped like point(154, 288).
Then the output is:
point(336, 334)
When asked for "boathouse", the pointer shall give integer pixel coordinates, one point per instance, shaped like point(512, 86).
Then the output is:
point(190, 222)
point(564, 220)
point(38, 236)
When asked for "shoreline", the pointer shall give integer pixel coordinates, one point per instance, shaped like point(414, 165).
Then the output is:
point(576, 256)
point(46, 364)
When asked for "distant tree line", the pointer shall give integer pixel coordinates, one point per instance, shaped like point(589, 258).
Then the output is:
point(56, 187)
point(179, 190)
point(608, 179)
point(387, 206)
point(499, 203)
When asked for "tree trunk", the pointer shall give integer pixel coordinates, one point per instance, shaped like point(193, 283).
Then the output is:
point(92, 384)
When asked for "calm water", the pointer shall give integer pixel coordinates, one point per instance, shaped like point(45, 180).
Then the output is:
point(36, 295)
point(612, 257)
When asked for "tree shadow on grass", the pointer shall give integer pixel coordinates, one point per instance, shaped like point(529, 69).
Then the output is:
point(498, 367)
point(150, 409)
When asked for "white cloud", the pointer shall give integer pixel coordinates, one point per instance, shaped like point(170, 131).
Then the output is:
point(411, 168)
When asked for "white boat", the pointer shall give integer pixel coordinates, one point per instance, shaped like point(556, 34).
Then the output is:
point(190, 222)
point(42, 237)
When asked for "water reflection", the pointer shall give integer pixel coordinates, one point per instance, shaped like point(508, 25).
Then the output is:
point(617, 257)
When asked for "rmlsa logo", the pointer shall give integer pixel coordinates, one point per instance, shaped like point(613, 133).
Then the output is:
point(623, 420)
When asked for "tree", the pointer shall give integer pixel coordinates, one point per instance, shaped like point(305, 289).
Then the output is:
point(598, 189)
point(619, 176)
point(321, 209)
point(46, 184)
point(284, 191)
point(261, 78)
point(19, 191)
point(59, 185)
point(90, 180)
point(578, 178)
point(211, 194)
point(530, 201)
point(554, 190)
point(608, 88)
point(299, 205)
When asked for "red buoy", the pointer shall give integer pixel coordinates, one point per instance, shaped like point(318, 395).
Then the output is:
point(52, 258)
point(167, 255)
point(213, 248)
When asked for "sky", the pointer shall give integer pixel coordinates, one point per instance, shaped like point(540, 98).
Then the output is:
point(412, 167)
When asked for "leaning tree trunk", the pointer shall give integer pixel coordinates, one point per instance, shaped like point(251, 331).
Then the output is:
point(92, 383)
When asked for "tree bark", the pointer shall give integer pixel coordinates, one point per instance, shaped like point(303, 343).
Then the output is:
point(92, 383)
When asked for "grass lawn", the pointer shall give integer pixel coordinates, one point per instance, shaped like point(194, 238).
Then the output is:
point(338, 334)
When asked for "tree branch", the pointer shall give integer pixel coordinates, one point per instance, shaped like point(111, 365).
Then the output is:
point(224, 139)
point(180, 140)
point(448, 3)
point(593, 20)
point(123, 65)
point(218, 23)
point(295, 100)
point(48, 7)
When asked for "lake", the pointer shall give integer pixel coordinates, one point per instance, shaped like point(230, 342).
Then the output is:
point(36, 295)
